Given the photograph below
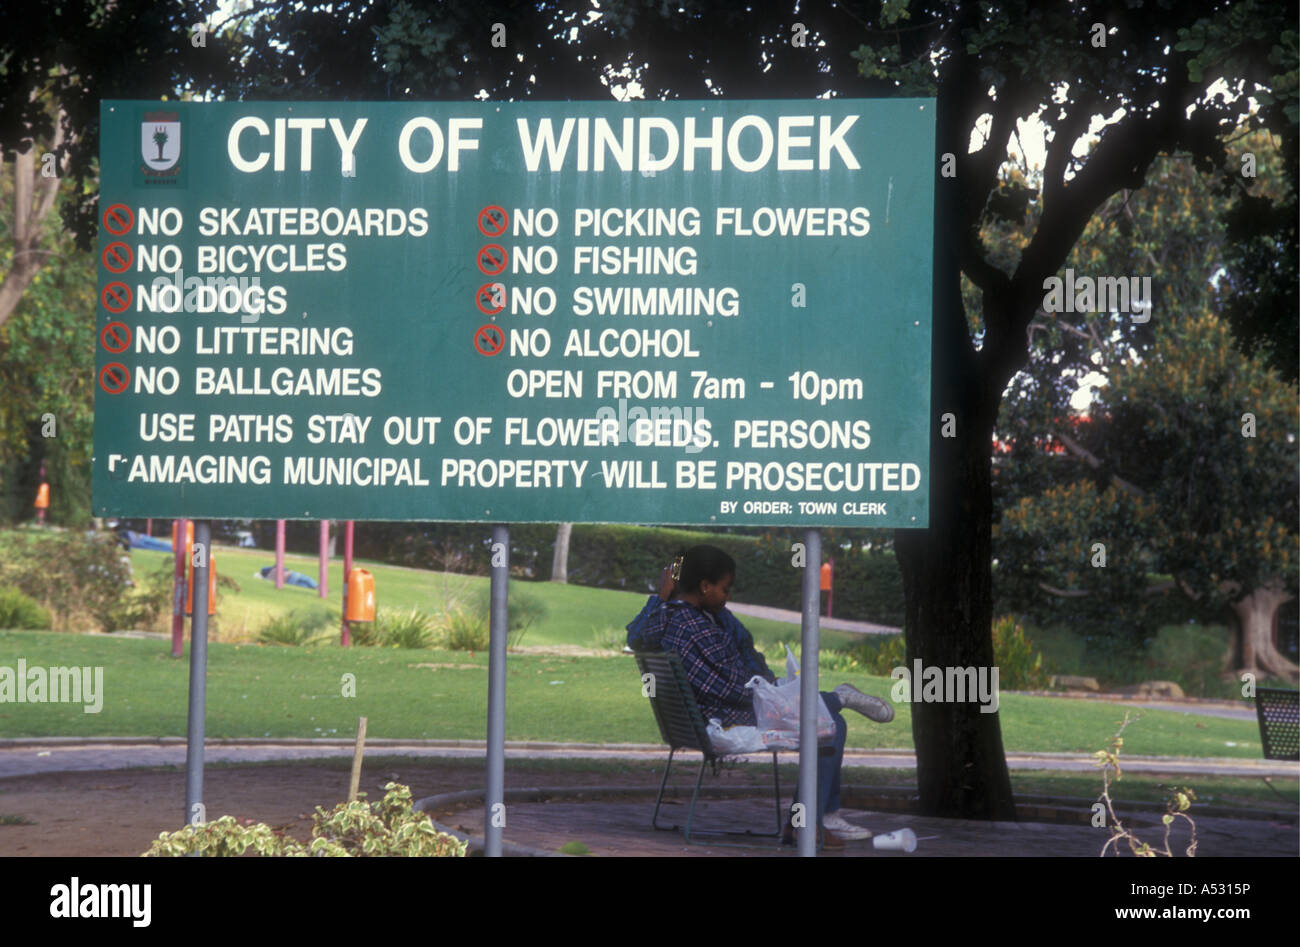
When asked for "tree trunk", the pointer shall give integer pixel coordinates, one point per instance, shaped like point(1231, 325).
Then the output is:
point(560, 563)
point(34, 198)
point(961, 764)
point(1253, 649)
point(961, 768)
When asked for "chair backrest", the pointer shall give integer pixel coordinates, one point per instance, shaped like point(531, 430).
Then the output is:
point(1279, 722)
point(680, 722)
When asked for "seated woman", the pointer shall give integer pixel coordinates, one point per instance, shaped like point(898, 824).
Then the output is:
point(690, 617)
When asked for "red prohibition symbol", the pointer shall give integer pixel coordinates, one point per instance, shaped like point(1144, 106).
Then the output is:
point(117, 257)
point(492, 259)
point(116, 297)
point(493, 220)
point(490, 298)
point(489, 340)
point(119, 220)
point(116, 337)
point(114, 377)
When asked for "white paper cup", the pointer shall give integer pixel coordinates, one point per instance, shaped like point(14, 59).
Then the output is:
point(902, 840)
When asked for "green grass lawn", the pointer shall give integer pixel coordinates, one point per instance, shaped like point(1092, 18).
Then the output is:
point(261, 691)
point(576, 615)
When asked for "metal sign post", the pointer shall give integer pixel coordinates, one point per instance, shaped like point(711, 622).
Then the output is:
point(198, 676)
point(808, 695)
point(494, 802)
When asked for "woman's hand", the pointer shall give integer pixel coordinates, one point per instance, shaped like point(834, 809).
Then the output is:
point(666, 584)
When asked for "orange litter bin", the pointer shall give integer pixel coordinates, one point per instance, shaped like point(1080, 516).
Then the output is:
point(361, 596)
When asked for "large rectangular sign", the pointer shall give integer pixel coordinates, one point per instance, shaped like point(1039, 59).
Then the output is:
point(654, 312)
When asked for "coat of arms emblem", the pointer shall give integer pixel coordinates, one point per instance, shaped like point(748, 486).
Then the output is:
point(160, 144)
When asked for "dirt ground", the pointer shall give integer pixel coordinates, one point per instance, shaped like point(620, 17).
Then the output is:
point(121, 812)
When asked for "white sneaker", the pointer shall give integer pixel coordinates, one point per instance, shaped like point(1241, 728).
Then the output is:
point(833, 822)
point(873, 708)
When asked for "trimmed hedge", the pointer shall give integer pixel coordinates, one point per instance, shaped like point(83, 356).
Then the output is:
point(868, 584)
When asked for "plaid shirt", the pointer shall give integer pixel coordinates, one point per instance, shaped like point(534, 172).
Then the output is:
point(718, 660)
point(639, 640)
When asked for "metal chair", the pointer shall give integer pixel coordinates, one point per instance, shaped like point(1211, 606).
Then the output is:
point(682, 726)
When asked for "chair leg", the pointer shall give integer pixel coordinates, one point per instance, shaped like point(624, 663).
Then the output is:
point(654, 819)
point(690, 815)
point(776, 783)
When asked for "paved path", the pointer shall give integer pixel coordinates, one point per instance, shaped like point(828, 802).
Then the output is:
point(618, 827)
point(25, 756)
point(788, 615)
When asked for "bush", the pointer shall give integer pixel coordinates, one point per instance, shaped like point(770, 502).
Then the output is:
point(76, 575)
point(152, 597)
point(609, 638)
point(465, 631)
point(364, 634)
point(20, 612)
point(523, 610)
point(298, 627)
point(880, 654)
point(1020, 666)
point(394, 629)
point(389, 827)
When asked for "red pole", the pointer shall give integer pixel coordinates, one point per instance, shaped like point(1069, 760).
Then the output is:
point(148, 527)
point(178, 590)
point(324, 558)
point(279, 554)
point(347, 572)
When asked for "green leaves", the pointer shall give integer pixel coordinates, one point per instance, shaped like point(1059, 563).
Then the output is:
point(386, 828)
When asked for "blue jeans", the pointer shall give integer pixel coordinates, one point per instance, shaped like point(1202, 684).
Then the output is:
point(829, 760)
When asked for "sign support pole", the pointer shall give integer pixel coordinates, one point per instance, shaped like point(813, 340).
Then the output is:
point(494, 802)
point(808, 694)
point(198, 678)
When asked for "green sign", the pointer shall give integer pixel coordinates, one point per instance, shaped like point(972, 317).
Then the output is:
point(654, 312)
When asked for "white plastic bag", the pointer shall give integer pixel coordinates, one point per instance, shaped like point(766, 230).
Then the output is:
point(734, 740)
point(777, 707)
point(791, 667)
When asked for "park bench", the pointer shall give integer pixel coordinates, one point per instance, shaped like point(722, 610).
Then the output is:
point(682, 727)
point(1279, 722)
